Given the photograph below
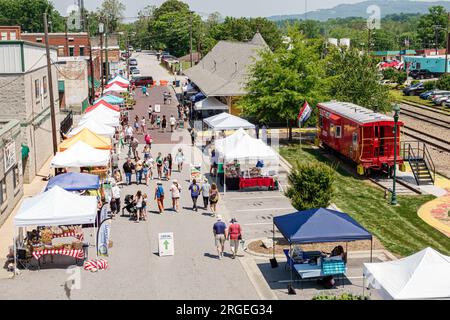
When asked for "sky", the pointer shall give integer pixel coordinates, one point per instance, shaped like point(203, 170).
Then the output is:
point(235, 8)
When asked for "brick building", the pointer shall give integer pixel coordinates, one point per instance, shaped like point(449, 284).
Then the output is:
point(25, 97)
point(72, 44)
point(9, 33)
point(113, 54)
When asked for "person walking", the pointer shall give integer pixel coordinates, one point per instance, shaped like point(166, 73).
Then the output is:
point(139, 168)
point(144, 207)
point(115, 199)
point(193, 136)
point(143, 125)
point(166, 168)
point(128, 168)
point(170, 160)
point(195, 192)
point(235, 236)
point(114, 160)
point(205, 189)
point(175, 190)
point(164, 123)
point(159, 196)
point(153, 120)
point(136, 126)
point(214, 198)
point(144, 91)
point(148, 164)
point(185, 120)
point(158, 122)
point(179, 159)
point(172, 122)
point(148, 140)
point(138, 202)
point(129, 134)
point(146, 152)
point(150, 112)
point(220, 234)
point(159, 165)
point(134, 146)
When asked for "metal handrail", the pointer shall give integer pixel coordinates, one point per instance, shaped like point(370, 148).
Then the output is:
point(422, 150)
point(429, 161)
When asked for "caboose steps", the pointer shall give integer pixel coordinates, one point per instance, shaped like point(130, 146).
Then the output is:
point(418, 157)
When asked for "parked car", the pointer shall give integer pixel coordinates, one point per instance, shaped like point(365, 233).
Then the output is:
point(438, 98)
point(426, 94)
point(133, 62)
point(142, 81)
point(414, 89)
point(429, 94)
point(438, 93)
point(422, 74)
point(135, 73)
point(132, 68)
point(138, 49)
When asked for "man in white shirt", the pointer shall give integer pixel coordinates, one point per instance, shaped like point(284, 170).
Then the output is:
point(172, 122)
point(128, 133)
point(115, 201)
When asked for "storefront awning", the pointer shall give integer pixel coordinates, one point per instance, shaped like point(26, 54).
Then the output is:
point(61, 86)
point(25, 151)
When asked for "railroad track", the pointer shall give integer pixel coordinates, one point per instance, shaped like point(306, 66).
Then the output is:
point(401, 188)
point(427, 138)
point(431, 120)
point(436, 110)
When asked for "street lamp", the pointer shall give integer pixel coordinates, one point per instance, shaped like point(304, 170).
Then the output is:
point(396, 110)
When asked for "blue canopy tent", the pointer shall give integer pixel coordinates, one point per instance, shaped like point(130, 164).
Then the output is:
point(111, 99)
point(318, 226)
point(198, 97)
point(74, 181)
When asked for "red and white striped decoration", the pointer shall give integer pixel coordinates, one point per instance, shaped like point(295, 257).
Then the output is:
point(94, 265)
point(79, 254)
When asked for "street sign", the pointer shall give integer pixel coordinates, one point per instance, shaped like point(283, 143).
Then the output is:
point(157, 108)
point(166, 245)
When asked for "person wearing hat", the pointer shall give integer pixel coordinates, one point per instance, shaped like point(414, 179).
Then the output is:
point(234, 235)
point(175, 190)
point(220, 235)
point(115, 199)
point(206, 187)
point(159, 196)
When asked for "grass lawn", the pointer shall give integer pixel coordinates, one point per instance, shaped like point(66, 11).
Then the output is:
point(398, 228)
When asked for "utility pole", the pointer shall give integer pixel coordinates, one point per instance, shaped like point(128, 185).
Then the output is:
point(101, 30)
point(128, 55)
point(106, 51)
point(66, 38)
point(50, 86)
point(91, 63)
point(190, 38)
point(446, 43)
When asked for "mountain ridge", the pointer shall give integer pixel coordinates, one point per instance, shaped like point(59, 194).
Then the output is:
point(387, 7)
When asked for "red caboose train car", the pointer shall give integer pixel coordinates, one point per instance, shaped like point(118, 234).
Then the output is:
point(359, 134)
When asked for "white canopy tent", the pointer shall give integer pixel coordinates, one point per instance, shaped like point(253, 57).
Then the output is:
point(119, 79)
point(81, 155)
point(94, 126)
point(56, 207)
point(210, 103)
point(241, 146)
point(423, 275)
point(226, 121)
point(116, 88)
point(102, 116)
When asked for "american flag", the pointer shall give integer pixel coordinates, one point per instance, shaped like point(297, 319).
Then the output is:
point(304, 113)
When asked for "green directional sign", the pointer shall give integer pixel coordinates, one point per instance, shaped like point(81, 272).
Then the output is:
point(166, 244)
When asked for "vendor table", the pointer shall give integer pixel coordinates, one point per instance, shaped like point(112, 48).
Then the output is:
point(232, 183)
point(256, 182)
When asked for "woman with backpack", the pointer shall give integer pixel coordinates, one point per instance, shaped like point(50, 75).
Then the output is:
point(195, 192)
point(159, 197)
point(213, 198)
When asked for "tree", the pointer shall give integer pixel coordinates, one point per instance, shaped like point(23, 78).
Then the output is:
point(311, 185)
point(356, 79)
point(170, 26)
point(280, 82)
point(112, 11)
point(28, 14)
point(432, 26)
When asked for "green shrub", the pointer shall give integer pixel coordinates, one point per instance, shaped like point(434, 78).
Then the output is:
point(430, 85)
point(388, 74)
point(414, 82)
point(311, 185)
point(344, 296)
point(400, 77)
point(444, 83)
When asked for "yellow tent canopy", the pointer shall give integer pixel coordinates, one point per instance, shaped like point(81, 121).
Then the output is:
point(88, 137)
